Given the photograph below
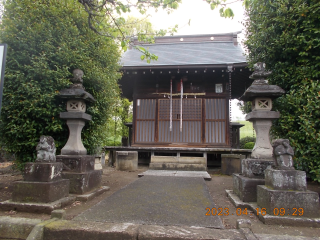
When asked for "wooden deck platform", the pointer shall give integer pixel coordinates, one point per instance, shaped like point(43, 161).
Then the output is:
point(245, 152)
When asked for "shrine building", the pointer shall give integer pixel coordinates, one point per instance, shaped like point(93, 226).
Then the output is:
point(181, 102)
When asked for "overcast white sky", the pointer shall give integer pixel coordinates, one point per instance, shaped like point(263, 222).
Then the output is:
point(203, 21)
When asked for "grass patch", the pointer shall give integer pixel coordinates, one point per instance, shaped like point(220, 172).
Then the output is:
point(246, 130)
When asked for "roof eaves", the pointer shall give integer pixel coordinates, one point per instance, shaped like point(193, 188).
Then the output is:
point(223, 65)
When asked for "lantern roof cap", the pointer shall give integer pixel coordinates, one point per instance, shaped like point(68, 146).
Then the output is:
point(76, 90)
point(260, 86)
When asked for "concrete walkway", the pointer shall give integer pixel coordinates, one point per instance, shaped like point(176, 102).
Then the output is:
point(152, 207)
point(157, 200)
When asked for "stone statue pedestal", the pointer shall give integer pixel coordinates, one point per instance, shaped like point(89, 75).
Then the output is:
point(43, 189)
point(245, 184)
point(42, 183)
point(42, 179)
point(287, 189)
point(79, 169)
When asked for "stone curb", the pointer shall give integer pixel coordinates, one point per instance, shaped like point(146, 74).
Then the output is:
point(16, 228)
point(34, 229)
point(91, 195)
point(37, 231)
point(36, 207)
point(273, 220)
point(79, 230)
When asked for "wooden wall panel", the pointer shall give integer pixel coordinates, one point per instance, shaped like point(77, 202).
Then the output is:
point(204, 121)
point(145, 120)
point(216, 121)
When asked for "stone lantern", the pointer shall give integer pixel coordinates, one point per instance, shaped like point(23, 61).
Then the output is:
point(261, 94)
point(78, 166)
point(75, 115)
point(269, 177)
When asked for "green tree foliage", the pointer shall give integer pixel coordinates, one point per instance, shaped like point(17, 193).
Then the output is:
point(285, 35)
point(125, 113)
point(134, 26)
point(114, 10)
point(122, 113)
point(46, 41)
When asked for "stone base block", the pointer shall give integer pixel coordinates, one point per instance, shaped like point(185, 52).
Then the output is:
point(42, 172)
point(246, 188)
point(293, 202)
point(97, 163)
point(40, 192)
point(231, 163)
point(77, 163)
point(286, 179)
point(254, 168)
point(293, 221)
point(177, 166)
point(81, 183)
point(127, 160)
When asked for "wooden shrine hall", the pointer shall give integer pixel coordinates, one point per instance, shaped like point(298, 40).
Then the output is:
point(181, 102)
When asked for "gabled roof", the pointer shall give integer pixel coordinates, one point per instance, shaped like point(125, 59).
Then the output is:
point(188, 51)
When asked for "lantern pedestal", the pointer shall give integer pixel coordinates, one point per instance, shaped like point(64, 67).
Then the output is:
point(262, 122)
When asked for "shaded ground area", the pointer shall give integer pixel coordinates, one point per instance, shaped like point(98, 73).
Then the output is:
point(157, 200)
point(118, 179)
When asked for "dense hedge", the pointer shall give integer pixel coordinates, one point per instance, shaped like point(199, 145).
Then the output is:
point(46, 41)
point(285, 35)
point(249, 145)
point(245, 140)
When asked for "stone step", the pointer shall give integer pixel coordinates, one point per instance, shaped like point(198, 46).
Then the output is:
point(171, 159)
point(204, 174)
point(177, 166)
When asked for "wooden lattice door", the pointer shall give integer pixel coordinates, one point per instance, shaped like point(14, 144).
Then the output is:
point(191, 121)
